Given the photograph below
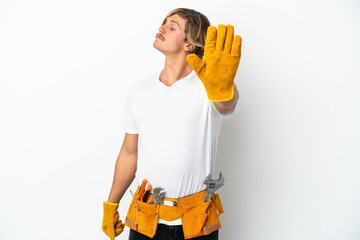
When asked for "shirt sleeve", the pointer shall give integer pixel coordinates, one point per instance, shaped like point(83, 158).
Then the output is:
point(215, 112)
point(128, 123)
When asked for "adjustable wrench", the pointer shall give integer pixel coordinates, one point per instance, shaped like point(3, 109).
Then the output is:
point(212, 185)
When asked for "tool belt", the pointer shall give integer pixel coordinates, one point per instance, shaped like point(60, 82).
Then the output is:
point(198, 218)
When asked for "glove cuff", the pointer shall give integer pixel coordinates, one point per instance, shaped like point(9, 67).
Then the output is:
point(110, 203)
point(216, 95)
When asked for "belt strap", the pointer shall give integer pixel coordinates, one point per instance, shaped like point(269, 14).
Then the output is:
point(171, 213)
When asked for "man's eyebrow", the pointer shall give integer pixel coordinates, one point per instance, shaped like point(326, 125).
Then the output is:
point(176, 23)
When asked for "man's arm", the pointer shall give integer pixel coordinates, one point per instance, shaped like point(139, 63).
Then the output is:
point(228, 106)
point(125, 168)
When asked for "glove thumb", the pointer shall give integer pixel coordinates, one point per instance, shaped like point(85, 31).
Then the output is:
point(195, 62)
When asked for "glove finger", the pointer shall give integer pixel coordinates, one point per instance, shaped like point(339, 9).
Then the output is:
point(195, 62)
point(119, 224)
point(220, 38)
point(118, 231)
point(236, 46)
point(229, 38)
point(210, 41)
point(119, 228)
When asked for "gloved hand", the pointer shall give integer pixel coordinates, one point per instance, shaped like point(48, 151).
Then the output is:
point(221, 60)
point(111, 224)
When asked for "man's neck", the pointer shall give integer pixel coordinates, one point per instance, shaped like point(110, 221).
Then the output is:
point(174, 70)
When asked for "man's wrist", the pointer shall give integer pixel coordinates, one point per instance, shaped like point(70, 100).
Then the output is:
point(228, 105)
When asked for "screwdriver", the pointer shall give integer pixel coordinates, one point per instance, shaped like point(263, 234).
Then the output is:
point(135, 200)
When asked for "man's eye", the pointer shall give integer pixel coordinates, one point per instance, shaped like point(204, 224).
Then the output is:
point(172, 29)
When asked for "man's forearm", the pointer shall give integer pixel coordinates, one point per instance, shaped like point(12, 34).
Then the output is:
point(125, 169)
point(228, 106)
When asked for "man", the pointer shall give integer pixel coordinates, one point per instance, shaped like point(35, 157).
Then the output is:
point(172, 122)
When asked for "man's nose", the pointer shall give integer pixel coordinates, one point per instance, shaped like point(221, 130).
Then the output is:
point(161, 29)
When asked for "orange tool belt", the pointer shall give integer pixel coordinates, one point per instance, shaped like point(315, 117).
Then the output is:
point(198, 218)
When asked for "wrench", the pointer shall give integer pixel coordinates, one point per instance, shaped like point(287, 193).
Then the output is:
point(212, 185)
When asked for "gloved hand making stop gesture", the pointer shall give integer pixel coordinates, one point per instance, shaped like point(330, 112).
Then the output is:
point(218, 68)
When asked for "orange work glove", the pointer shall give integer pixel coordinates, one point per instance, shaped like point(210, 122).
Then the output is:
point(111, 224)
point(221, 60)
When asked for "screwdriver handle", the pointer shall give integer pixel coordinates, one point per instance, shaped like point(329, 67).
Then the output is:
point(148, 188)
point(142, 189)
point(146, 194)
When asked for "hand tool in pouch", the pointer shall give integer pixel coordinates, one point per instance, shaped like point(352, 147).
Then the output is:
point(147, 191)
point(141, 190)
point(158, 197)
point(212, 185)
point(134, 200)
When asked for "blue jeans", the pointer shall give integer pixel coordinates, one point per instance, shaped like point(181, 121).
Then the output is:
point(166, 232)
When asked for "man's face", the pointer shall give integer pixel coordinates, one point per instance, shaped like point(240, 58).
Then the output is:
point(170, 38)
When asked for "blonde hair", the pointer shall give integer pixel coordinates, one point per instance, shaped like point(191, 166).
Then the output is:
point(195, 28)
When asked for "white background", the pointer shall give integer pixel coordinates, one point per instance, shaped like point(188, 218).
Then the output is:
point(290, 154)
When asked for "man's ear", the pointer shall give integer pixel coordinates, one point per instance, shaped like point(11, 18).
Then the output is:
point(188, 47)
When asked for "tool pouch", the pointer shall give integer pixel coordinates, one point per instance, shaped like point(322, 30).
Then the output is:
point(201, 218)
point(144, 221)
point(193, 218)
point(213, 212)
point(198, 218)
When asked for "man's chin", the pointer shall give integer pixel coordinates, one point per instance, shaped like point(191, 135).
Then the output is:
point(154, 45)
point(157, 48)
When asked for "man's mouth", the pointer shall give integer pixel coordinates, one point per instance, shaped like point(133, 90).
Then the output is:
point(160, 37)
